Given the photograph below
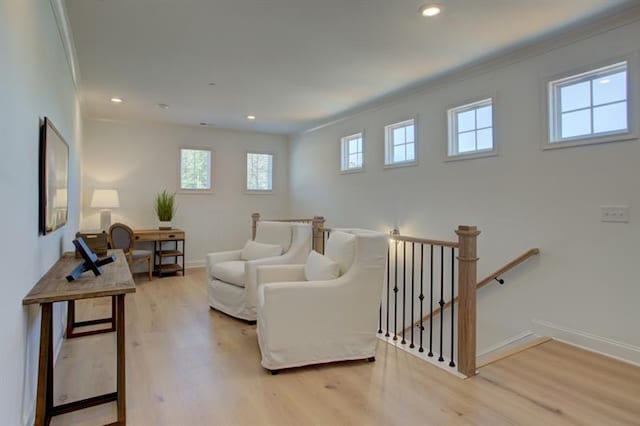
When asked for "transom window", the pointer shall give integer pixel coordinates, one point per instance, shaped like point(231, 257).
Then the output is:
point(195, 169)
point(400, 143)
point(471, 129)
point(352, 152)
point(259, 172)
point(589, 105)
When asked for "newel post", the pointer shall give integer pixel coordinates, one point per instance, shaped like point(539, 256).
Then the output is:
point(317, 225)
point(467, 280)
point(255, 218)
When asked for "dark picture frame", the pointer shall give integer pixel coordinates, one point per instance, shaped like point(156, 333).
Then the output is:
point(53, 178)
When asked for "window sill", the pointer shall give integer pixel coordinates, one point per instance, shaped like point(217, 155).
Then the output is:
point(400, 164)
point(471, 156)
point(195, 191)
point(351, 171)
point(620, 137)
point(258, 192)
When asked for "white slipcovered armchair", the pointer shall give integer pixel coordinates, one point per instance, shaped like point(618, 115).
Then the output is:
point(232, 281)
point(304, 322)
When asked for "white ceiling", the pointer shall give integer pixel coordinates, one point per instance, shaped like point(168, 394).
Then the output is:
point(292, 63)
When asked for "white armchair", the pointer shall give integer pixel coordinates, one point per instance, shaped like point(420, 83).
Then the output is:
point(232, 281)
point(310, 322)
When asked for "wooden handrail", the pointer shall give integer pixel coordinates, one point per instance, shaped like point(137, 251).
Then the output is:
point(515, 262)
point(408, 239)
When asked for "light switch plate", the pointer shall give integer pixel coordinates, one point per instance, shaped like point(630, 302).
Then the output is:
point(614, 214)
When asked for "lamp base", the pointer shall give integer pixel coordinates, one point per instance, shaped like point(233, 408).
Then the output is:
point(105, 220)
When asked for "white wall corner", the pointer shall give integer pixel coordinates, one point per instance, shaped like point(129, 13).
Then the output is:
point(591, 342)
point(66, 36)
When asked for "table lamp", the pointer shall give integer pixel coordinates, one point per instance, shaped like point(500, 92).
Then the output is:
point(105, 199)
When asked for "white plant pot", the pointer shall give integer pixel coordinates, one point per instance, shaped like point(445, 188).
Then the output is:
point(164, 225)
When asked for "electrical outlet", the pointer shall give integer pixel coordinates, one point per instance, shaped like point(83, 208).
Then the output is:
point(614, 213)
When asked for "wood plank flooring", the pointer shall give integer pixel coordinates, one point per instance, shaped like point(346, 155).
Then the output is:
point(189, 365)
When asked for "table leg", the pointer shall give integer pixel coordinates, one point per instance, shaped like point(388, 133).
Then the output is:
point(44, 395)
point(121, 376)
point(71, 317)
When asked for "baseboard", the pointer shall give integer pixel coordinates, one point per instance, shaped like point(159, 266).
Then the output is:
point(507, 342)
point(191, 264)
point(591, 342)
point(521, 342)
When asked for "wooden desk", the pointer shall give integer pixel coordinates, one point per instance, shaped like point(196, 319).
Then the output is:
point(160, 236)
point(115, 281)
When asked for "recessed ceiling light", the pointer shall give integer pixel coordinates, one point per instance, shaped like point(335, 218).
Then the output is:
point(251, 117)
point(116, 100)
point(430, 10)
point(163, 106)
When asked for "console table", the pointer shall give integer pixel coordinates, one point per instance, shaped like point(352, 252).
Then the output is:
point(158, 237)
point(116, 281)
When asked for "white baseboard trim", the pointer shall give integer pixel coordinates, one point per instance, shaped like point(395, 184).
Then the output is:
point(191, 264)
point(507, 342)
point(591, 342)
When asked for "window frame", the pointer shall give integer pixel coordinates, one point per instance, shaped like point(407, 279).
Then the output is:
point(583, 74)
point(389, 145)
point(246, 173)
point(452, 129)
point(182, 190)
point(344, 152)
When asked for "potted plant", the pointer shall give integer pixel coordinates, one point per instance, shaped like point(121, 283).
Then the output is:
point(165, 207)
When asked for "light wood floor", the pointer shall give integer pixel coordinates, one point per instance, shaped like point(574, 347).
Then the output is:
point(189, 365)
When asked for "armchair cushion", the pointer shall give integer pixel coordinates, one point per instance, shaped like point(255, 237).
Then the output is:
point(320, 268)
point(231, 271)
point(341, 247)
point(278, 233)
point(254, 250)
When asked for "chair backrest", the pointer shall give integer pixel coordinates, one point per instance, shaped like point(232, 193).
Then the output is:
point(121, 236)
point(278, 233)
point(341, 248)
point(357, 247)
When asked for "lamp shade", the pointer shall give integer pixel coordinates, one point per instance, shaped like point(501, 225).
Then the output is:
point(105, 199)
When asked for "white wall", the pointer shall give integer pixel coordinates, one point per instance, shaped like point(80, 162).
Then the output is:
point(141, 159)
point(585, 278)
point(35, 81)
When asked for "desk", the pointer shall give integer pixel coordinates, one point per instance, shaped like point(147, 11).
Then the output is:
point(115, 281)
point(158, 237)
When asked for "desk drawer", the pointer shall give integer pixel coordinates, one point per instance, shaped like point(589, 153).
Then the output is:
point(168, 235)
point(147, 236)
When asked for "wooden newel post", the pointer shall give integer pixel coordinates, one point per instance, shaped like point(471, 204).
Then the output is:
point(467, 279)
point(255, 218)
point(317, 224)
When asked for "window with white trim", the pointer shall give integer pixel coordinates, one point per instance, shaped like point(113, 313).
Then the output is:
point(352, 152)
point(471, 129)
point(195, 169)
point(259, 172)
point(589, 106)
point(400, 143)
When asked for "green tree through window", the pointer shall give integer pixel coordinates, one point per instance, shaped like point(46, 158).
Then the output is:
point(195, 169)
point(259, 172)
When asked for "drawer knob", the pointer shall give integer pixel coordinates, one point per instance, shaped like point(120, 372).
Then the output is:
point(172, 236)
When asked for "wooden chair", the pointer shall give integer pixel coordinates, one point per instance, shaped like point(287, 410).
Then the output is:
point(121, 237)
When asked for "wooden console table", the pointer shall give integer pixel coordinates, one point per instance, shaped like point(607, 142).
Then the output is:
point(115, 281)
point(160, 236)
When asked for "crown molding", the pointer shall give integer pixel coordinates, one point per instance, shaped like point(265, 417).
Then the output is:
point(600, 24)
point(66, 36)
